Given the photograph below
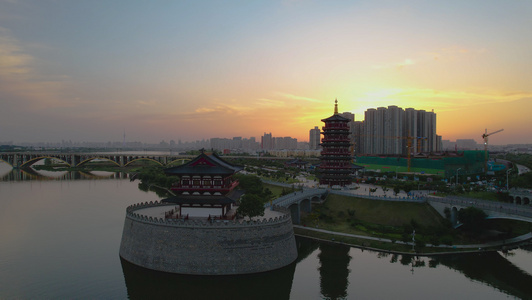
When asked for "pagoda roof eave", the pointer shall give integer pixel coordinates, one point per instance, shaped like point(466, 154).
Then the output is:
point(335, 118)
point(213, 165)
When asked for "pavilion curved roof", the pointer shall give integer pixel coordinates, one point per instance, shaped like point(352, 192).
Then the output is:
point(204, 164)
point(336, 117)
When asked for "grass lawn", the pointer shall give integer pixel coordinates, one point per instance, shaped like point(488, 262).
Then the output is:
point(387, 219)
point(383, 219)
point(276, 190)
point(513, 227)
point(389, 213)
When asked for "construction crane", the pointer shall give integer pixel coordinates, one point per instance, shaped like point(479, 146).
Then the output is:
point(485, 137)
point(419, 139)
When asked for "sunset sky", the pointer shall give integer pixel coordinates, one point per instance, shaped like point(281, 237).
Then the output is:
point(88, 70)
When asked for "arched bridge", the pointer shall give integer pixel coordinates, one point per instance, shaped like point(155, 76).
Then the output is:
point(299, 201)
point(520, 196)
point(26, 159)
point(493, 210)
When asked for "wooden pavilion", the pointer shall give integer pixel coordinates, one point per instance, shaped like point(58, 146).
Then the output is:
point(206, 187)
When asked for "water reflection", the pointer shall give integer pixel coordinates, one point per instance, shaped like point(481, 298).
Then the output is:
point(305, 247)
point(52, 245)
point(142, 283)
point(527, 248)
point(492, 269)
point(30, 174)
point(334, 270)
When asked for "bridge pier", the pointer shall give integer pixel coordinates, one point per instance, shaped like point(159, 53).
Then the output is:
point(16, 161)
point(74, 160)
point(454, 216)
point(295, 214)
point(299, 202)
point(305, 205)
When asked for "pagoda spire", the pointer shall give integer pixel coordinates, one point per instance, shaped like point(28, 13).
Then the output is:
point(335, 106)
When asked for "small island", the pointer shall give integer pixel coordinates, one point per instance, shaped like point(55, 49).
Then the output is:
point(198, 232)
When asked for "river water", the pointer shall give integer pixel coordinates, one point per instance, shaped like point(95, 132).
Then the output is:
point(60, 235)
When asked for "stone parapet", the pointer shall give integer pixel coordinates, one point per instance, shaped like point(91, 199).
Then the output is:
point(202, 247)
point(131, 212)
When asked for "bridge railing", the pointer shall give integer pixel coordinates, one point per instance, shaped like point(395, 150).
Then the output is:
point(497, 207)
point(288, 185)
point(296, 196)
point(380, 198)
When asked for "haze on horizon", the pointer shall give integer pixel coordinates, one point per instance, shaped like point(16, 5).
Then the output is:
point(160, 70)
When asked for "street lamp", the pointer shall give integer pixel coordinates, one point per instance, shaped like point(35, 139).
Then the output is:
point(507, 182)
point(457, 175)
point(396, 173)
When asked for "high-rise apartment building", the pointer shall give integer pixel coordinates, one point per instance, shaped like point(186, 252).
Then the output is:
point(358, 135)
point(237, 143)
point(266, 141)
point(392, 130)
point(314, 138)
point(351, 124)
point(288, 143)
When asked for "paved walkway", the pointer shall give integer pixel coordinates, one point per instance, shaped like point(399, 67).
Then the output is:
point(516, 240)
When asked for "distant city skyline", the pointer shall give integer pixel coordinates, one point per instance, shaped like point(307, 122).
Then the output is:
point(314, 133)
point(161, 70)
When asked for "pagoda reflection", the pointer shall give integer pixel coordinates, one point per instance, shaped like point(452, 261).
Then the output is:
point(334, 270)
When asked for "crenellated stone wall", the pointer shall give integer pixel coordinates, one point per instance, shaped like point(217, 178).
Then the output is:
point(200, 247)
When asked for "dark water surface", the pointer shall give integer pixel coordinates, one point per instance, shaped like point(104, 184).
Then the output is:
point(59, 239)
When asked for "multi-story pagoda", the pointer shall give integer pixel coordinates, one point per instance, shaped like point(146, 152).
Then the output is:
point(335, 167)
point(205, 188)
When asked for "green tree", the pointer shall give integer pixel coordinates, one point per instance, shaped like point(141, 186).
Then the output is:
point(396, 189)
point(154, 176)
point(434, 240)
point(385, 189)
point(472, 218)
point(447, 212)
point(522, 181)
point(420, 243)
point(251, 205)
point(407, 188)
point(250, 183)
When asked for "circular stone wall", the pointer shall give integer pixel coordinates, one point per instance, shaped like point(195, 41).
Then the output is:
point(204, 248)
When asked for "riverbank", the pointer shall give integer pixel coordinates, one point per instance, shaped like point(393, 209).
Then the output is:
point(390, 225)
point(399, 247)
